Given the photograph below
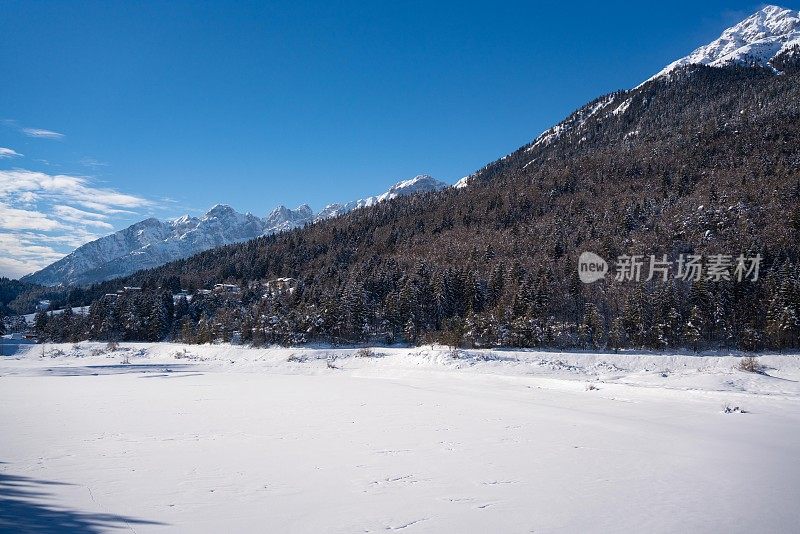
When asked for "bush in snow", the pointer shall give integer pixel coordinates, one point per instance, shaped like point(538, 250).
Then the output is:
point(366, 352)
point(732, 409)
point(749, 364)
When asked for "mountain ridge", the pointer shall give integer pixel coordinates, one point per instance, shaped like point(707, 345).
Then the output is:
point(153, 242)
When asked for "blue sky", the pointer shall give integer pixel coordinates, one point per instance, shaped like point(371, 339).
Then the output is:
point(115, 111)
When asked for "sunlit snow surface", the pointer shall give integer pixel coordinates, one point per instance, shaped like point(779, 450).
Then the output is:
point(230, 439)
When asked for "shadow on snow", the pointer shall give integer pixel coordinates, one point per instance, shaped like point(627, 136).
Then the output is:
point(117, 369)
point(26, 506)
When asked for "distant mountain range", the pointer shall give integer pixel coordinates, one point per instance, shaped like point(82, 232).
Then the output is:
point(153, 242)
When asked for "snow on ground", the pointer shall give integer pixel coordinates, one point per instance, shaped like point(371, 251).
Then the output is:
point(164, 437)
point(78, 310)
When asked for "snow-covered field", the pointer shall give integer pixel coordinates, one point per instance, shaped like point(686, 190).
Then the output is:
point(230, 439)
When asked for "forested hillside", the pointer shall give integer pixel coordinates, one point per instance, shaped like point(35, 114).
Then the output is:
point(703, 161)
point(17, 297)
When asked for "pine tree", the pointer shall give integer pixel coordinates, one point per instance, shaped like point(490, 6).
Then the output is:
point(453, 331)
point(204, 331)
point(701, 298)
point(523, 300)
point(616, 335)
point(159, 319)
point(181, 311)
point(355, 324)
point(478, 295)
point(633, 319)
point(111, 328)
point(521, 333)
point(410, 331)
point(694, 328)
point(591, 329)
point(496, 285)
point(40, 326)
point(541, 299)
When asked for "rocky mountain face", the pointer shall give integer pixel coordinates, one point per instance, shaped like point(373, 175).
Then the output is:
point(153, 242)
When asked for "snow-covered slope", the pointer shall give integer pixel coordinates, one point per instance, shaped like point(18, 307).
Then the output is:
point(757, 40)
point(576, 120)
point(152, 242)
point(419, 184)
point(93, 254)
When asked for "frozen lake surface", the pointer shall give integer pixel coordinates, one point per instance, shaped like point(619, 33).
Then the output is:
point(231, 439)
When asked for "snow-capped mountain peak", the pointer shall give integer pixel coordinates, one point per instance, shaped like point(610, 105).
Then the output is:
point(219, 210)
point(183, 219)
point(303, 210)
point(224, 214)
point(756, 40)
point(283, 218)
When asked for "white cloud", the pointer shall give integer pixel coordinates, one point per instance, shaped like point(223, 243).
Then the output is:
point(62, 186)
point(17, 268)
point(73, 239)
point(9, 153)
point(69, 211)
point(91, 162)
point(16, 219)
point(24, 256)
point(104, 208)
point(87, 218)
point(41, 133)
point(43, 216)
point(27, 197)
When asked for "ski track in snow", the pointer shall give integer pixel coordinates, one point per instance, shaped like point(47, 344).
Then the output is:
point(228, 438)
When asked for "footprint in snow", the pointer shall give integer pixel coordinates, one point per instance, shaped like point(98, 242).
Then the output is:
point(406, 525)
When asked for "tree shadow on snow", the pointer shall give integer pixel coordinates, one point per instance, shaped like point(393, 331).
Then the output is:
point(26, 506)
point(118, 369)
